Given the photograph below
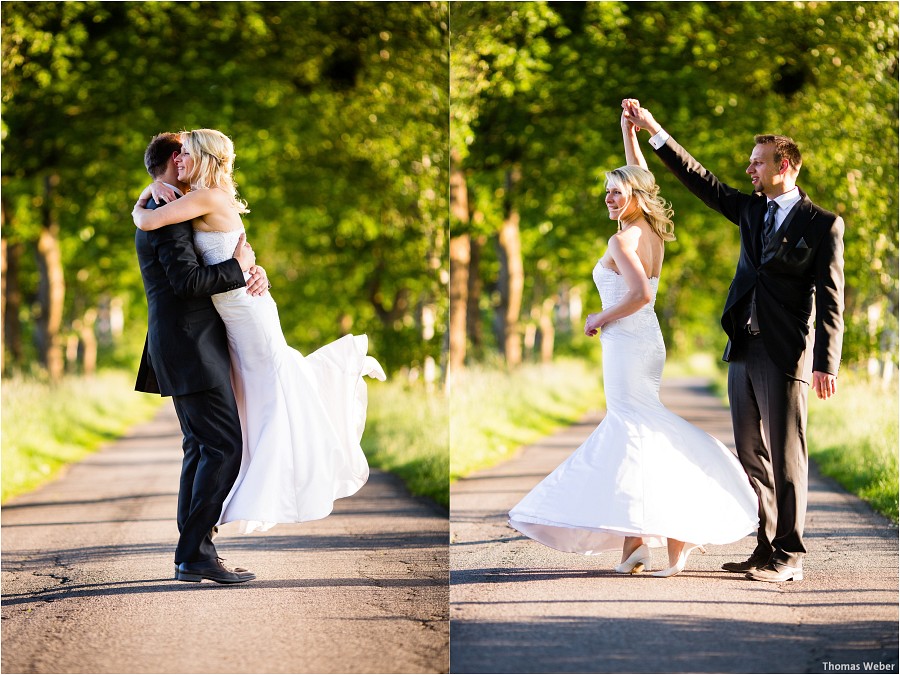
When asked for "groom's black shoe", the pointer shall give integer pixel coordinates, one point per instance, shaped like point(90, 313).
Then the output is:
point(777, 572)
point(213, 570)
point(754, 562)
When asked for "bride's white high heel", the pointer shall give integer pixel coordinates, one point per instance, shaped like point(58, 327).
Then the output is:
point(637, 562)
point(680, 563)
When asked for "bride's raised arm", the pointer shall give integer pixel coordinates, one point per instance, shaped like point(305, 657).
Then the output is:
point(633, 154)
point(194, 204)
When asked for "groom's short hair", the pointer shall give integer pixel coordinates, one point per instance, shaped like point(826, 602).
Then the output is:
point(158, 152)
point(785, 148)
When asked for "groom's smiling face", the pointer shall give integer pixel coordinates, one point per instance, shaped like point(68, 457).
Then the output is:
point(764, 172)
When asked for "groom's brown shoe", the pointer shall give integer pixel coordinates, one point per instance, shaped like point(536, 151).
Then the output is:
point(776, 572)
point(213, 570)
point(754, 562)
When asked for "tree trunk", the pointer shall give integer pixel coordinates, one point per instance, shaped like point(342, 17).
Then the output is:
point(459, 268)
point(512, 278)
point(459, 299)
point(12, 303)
point(548, 332)
point(3, 247)
point(476, 284)
point(52, 287)
point(88, 337)
point(10, 296)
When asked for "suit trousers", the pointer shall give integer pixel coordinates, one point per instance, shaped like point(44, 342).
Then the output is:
point(212, 459)
point(768, 412)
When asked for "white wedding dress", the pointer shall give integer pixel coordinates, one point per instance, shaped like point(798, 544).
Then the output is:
point(302, 417)
point(644, 472)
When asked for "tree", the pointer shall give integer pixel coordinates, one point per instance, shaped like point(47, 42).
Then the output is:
point(338, 113)
point(536, 89)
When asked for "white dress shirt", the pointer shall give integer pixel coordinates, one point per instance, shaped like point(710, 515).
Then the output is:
point(785, 202)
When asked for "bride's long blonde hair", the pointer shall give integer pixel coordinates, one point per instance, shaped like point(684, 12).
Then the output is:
point(213, 155)
point(639, 184)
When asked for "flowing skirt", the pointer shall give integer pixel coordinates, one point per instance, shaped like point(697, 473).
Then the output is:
point(644, 472)
point(302, 417)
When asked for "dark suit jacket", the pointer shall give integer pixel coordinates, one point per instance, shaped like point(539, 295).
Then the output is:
point(186, 350)
point(802, 270)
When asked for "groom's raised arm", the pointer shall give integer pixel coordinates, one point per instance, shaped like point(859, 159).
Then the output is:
point(694, 176)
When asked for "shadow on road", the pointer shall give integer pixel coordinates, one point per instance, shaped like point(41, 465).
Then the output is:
point(566, 645)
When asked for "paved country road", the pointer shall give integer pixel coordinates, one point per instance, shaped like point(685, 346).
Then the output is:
point(88, 579)
point(520, 607)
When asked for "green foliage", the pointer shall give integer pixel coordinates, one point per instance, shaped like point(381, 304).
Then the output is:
point(46, 428)
point(406, 434)
point(495, 412)
point(537, 87)
point(854, 439)
point(338, 112)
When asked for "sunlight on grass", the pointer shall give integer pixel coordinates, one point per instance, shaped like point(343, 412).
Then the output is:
point(45, 428)
point(853, 438)
point(406, 434)
point(493, 413)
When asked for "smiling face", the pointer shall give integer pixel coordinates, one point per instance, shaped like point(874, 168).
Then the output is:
point(619, 204)
point(185, 165)
point(765, 173)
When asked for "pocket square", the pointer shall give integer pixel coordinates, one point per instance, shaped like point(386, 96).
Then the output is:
point(802, 243)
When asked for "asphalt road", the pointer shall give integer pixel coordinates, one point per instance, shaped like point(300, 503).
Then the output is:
point(88, 584)
point(520, 607)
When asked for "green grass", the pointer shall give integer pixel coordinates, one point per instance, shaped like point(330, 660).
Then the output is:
point(494, 412)
point(47, 427)
point(853, 438)
point(406, 434)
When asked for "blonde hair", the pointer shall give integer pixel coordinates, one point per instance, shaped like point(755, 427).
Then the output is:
point(213, 155)
point(638, 183)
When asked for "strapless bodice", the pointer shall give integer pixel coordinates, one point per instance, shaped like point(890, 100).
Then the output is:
point(216, 247)
point(612, 287)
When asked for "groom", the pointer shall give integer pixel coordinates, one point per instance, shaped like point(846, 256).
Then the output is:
point(789, 278)
point(186, 357)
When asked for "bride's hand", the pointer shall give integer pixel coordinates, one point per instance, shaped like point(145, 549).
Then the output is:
point(627, 124)
point(162, 194)
point(592, 325)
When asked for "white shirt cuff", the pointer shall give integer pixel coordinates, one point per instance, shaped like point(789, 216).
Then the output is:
point(659, 140)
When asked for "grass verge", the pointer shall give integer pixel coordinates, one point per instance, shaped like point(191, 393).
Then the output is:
point(853, 438)
point(494, 412)
point(47, 427)
point(407, 435)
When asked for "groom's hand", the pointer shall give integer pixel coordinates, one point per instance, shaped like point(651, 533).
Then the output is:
point(824, 384)
point(639, 117)
point(244, 254)
point(258, 283)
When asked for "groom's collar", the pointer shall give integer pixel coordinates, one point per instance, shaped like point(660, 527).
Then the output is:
point(177, 191)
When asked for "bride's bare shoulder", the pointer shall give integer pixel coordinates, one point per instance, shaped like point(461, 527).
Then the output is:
point(627, 238)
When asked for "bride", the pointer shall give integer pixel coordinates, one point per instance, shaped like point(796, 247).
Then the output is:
point(645, 475)
point(302, 416)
